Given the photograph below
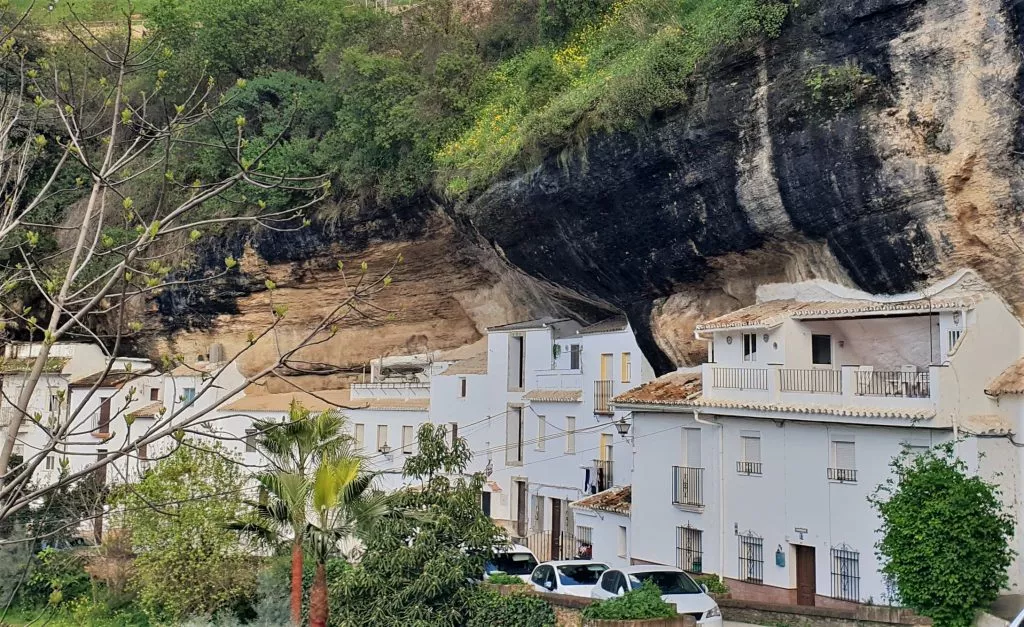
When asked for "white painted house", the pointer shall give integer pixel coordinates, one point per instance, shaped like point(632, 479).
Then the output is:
point(536, 411)
point(758, 465)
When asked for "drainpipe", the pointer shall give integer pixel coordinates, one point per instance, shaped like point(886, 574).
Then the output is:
point(721, 491)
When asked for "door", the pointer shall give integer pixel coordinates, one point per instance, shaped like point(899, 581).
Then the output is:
point(485, 502)
point(521, 508)
point(805, 580)
point(604, 450)
point(556, 529)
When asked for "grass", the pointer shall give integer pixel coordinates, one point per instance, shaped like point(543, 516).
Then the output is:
point(53, 11)
point(609, 75)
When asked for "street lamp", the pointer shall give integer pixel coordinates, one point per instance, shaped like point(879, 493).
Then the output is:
point(385, 450)
point(622, 426)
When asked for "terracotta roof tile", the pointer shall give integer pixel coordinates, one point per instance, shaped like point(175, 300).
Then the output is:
point(316, 401)
point(774, 312)
point(554, 396)
point(149, 411)
point(987, 424)
point(114, 379)
point(473, 365)
point(674, 388)
point(10, 365)
point(390, 404)
point(1010, 381)
point(609, 325)
point(618, 500)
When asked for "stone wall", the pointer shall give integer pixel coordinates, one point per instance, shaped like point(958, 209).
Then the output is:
point(569, 611)
point(805, 616)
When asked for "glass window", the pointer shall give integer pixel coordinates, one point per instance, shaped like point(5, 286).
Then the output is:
point(511, 563)
point(382, 436)
point(623, 548)
point(188, 394)
point(542, 430)
point(580, 574)
point(750, 347)
point(360, 434)
point(570, 434)
point(821, 349)
point(250, 440)
point(669, 582)
point(626, 367)
point(610, 581)
point(407, 438)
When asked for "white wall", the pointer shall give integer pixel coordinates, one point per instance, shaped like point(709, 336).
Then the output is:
point(605, 535)
point(792, 493)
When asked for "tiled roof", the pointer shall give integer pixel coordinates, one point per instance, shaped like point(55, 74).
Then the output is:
point(987, 424)
point(390, 404)
point(316, 401)
point(774, 312)
point(474, 365)
point(829, 410)
point(149, 411)
point(539, 323)
point(675, 388)
point(114, 379)
point(10, 365)
point(609, 325)
point(554, 396)
point(617, 500)
point(1010, 381)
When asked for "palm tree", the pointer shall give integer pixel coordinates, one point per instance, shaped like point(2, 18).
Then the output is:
point(344, 507)
point(295, 450)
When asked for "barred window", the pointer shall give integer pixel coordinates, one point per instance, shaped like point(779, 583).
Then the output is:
point(689, 549)
point(845, 573)
point(584, 535)
point(751, 558)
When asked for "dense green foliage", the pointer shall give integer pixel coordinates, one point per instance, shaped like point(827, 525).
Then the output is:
point(416, 569)
point(488, 608)
point(945, 536)
point(713, 583)
point(837, 88)
point(504, 579)
point(188, 560)
point(642, 602)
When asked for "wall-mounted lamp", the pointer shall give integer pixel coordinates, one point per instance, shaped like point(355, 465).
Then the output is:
point(728, 339)
point(385, 450)
point(622, 426)
point(780, 557)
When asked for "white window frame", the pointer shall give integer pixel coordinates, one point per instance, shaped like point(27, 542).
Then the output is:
point(623, 543)
point(542, 430)
point(570, 435)
point(750, 442)
point(408, 435)
point(749, 341)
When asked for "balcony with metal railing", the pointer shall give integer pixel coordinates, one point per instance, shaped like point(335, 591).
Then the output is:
point(602, 397)
point(687, 486)
point(384, 389)
point(909, 388)
point(604, 474)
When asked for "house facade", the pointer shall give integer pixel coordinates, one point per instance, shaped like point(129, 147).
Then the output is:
point(758, 465)
point(536, 411)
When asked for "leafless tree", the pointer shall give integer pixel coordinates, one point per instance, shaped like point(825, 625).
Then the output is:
point(82, 117)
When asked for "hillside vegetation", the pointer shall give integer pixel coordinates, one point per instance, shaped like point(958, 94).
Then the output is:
point(396, 104)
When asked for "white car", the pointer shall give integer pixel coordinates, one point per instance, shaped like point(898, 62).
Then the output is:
point(676, 587)
point(514, 560)
point(573, 577)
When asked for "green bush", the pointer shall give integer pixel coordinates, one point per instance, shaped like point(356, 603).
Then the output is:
point(504, 579)
point(487, 608)
point(637, 604)
point(834, 89)
point(58, 576)
point(929, 499)
point(714, 584)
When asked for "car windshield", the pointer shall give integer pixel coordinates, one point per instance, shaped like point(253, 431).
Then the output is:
point(511, 563)
point(580, 574)
point(667, 581)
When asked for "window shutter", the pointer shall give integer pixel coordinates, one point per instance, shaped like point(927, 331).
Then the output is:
point(541, 432)
point(752, 448)
point(513, 431)
point(692, 448)
point(844, 455)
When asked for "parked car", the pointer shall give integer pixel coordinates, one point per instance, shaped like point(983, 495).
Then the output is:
point(512, 560)
point(573, 577)
point(676, 587)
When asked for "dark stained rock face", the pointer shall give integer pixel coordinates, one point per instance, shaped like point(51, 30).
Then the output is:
point(762, 177)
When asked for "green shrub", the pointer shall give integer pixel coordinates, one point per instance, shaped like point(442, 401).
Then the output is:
point(487, 608)
point(834, 89)
point(58, 576)
point(713, 583)
point(637, 604)
point(504, 579)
